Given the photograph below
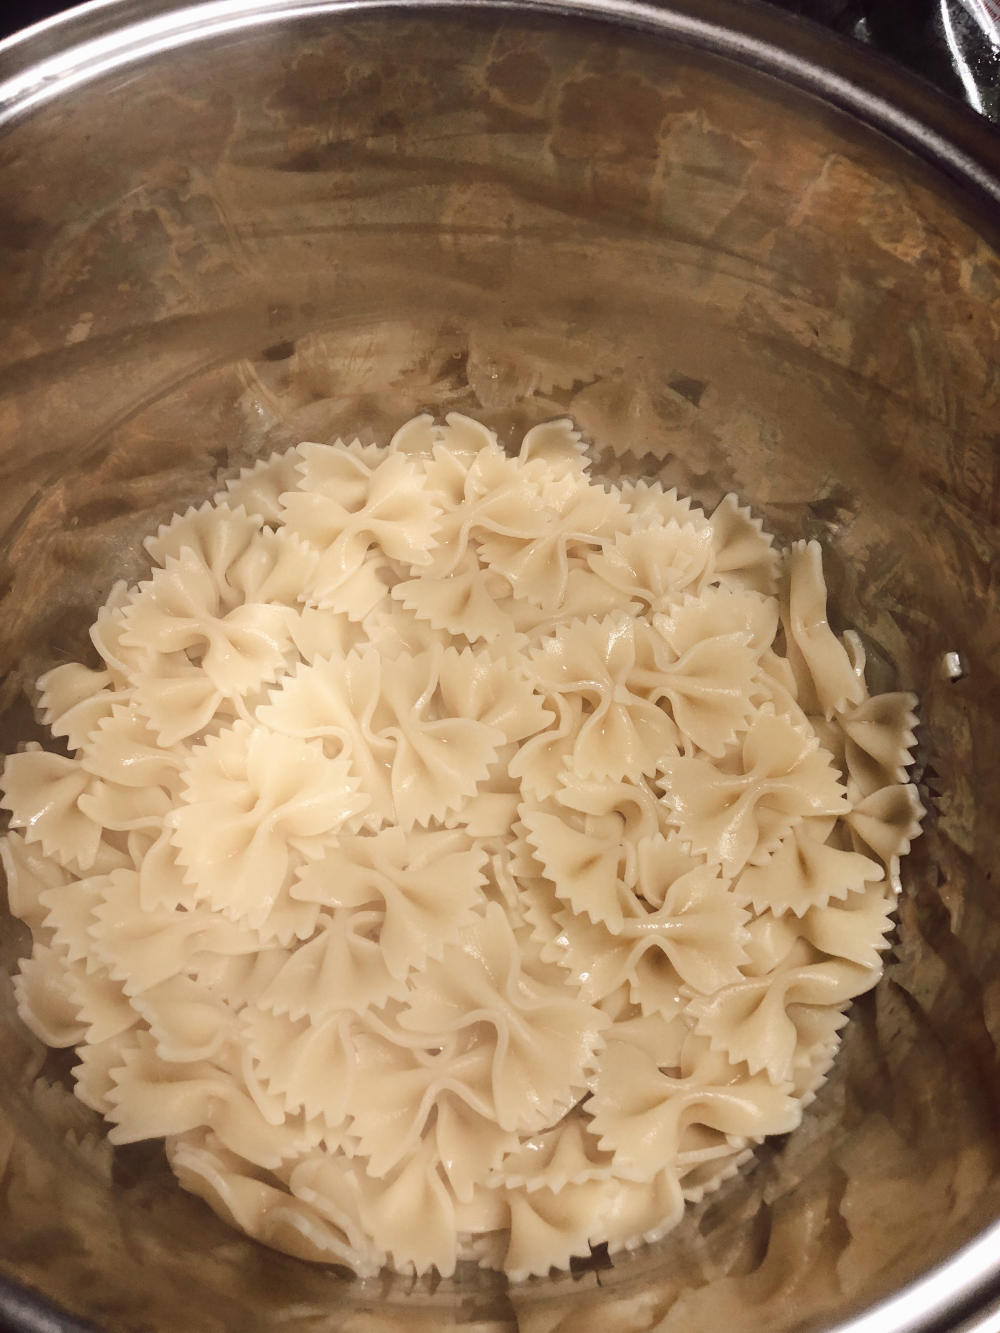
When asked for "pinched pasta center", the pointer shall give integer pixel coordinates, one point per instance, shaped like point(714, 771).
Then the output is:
point(455, 857)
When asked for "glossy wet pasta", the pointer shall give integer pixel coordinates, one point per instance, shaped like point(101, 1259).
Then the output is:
point(453, 857)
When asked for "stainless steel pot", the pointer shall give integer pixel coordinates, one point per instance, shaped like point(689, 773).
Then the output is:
point(738, 252)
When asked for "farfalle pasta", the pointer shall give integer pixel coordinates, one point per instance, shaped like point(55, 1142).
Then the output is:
point(452, 858)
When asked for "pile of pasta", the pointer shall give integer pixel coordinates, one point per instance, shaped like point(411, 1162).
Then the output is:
point(456, 858)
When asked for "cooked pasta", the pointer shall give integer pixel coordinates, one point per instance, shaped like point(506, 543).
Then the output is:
point(455, 858)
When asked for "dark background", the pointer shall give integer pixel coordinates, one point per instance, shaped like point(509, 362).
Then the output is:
point(906, 30)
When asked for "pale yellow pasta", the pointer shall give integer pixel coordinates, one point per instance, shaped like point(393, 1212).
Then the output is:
point(456, 859)
point(258, 489)
point(738, 817)
point(744, 552)
point(820, 660)
point(754, 1021)
point(29, 874)
point(538, 562)
point(806, 872)
point(650, 503)
point(43, 793)
point(421, 887)
point(347, 507)
point(595, 669)
point(122, 661)
point(73, 700)
point(257, 805)
point(879, 741)
point(656, 563)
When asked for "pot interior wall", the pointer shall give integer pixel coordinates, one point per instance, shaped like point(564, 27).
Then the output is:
point(317, 229)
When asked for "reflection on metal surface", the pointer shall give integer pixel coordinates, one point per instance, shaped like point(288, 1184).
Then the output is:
point(953, 666)
point(962, 60)
point(983, 1321)
point(942, 1294)
point(131, 37)
point(971, 29)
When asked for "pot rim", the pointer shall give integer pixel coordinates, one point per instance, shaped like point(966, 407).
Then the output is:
point(83, 44)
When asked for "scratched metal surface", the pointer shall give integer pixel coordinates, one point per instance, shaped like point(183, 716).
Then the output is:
point(955, 44)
